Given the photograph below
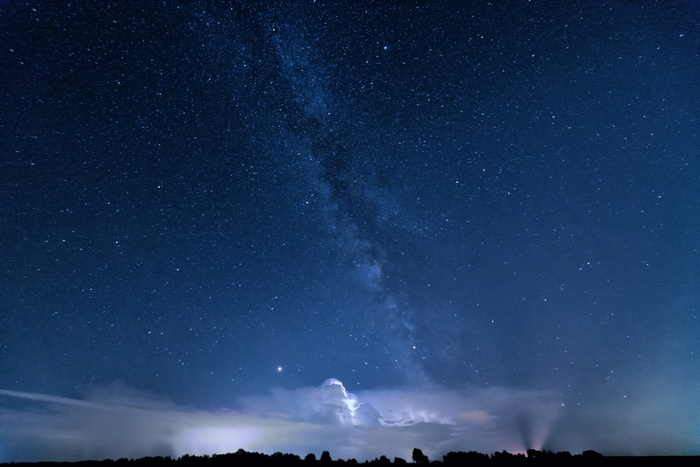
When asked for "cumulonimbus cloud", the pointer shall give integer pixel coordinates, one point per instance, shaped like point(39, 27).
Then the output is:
point(116, 421)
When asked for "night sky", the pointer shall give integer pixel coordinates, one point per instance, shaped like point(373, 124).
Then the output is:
point(481, 218)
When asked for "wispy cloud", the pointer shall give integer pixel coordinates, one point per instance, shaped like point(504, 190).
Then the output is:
point(116, 421)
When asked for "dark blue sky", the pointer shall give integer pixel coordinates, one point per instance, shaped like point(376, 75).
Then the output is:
point(204, 201)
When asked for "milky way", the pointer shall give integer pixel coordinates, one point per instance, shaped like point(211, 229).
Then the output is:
point(479, 220)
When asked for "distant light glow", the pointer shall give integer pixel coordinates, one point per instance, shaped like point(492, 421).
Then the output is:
point(215, 440)
point(299, 421)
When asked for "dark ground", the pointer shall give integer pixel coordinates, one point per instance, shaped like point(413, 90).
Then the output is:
point(471, 459)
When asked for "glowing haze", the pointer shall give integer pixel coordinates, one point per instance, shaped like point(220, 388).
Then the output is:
point(119, 422)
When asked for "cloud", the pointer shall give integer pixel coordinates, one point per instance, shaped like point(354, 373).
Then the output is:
point(116, 421)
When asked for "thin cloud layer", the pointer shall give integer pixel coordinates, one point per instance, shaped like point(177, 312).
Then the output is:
point(116, 421)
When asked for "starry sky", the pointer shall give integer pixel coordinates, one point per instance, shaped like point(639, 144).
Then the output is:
point(355, 226)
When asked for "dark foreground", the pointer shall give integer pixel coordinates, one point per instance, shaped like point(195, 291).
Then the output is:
point(463, 459)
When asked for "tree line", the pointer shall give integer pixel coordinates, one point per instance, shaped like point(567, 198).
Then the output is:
point(452, 459)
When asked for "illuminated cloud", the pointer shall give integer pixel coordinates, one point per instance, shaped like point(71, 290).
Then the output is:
point(116, 421)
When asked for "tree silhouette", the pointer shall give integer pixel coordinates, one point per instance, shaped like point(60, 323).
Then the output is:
point(418, 457)
point(471, 458)
point(535, 458)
